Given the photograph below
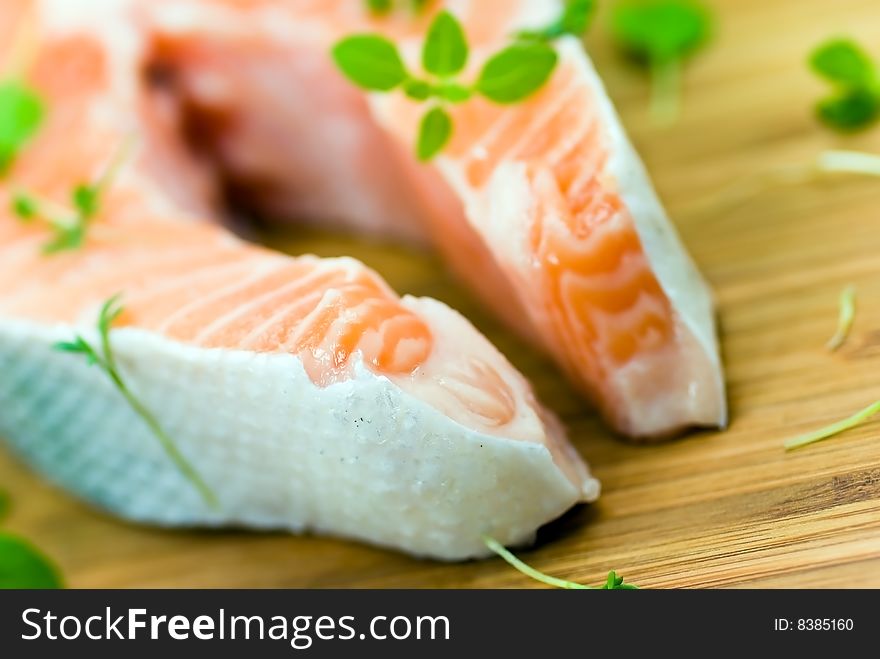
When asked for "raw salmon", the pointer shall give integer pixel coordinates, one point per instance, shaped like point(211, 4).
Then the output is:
point(543, 207)
point(307, 394)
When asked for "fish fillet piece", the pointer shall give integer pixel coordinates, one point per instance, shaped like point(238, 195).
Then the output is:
point(543, 208)
point(306, 394)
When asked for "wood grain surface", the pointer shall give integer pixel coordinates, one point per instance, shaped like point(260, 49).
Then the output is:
point(727, 509)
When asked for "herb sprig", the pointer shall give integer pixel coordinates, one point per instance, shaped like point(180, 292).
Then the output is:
point(855, 102)
point(21, 113)
point(374, 63)
point(614, 582)
point(826, 164)
point(105, 359)
point(661, 35)
point(834, 429)
point(69, 227)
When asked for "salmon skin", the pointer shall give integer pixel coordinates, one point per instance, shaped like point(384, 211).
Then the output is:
point(543, 207)
point(307, 395)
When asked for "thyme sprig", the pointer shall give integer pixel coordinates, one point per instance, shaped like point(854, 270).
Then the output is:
point(614, 581)
point(70, 226)
point(104, 358)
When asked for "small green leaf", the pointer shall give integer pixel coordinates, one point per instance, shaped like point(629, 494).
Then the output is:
point(23, 567)
point(5, 504)
point(446, 48)
point(660, 30)
point(850, 111)
point(79, 347)
point(434, 134)
point(843, 61)
point(615, 582)
point(86, 200)
point(371, 62)
point(76, 347)
point(21, 113)
point(25, 207)
point(856, 103)
point(517, 72)
point(418, 90)
point(611, 582)
point(67, 238)
point(577, 16)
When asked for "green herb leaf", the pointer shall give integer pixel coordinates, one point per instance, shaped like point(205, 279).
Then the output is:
point(67, 239)
point(434, 134)
point(370, 61)
point(86, 199)
point(446, 49)
point(517, 72)
point(76, 347)
point(843, 61)
point(855, 103)
point(660, 29)
point(25, 207)
point(110, 312)
point(613, 582)
point(79, 347)
point(577, 16)
point(21, 113)
point(22, 566)
point(850, 111)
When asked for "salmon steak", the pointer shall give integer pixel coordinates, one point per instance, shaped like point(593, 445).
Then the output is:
point(543, 207)
point(304, 393)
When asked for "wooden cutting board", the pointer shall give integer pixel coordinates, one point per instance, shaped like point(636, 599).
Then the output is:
point(714, 509)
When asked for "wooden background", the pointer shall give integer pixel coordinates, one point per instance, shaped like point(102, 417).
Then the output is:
point(714, 510)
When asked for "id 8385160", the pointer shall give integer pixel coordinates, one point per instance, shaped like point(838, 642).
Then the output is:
point(813, 624)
